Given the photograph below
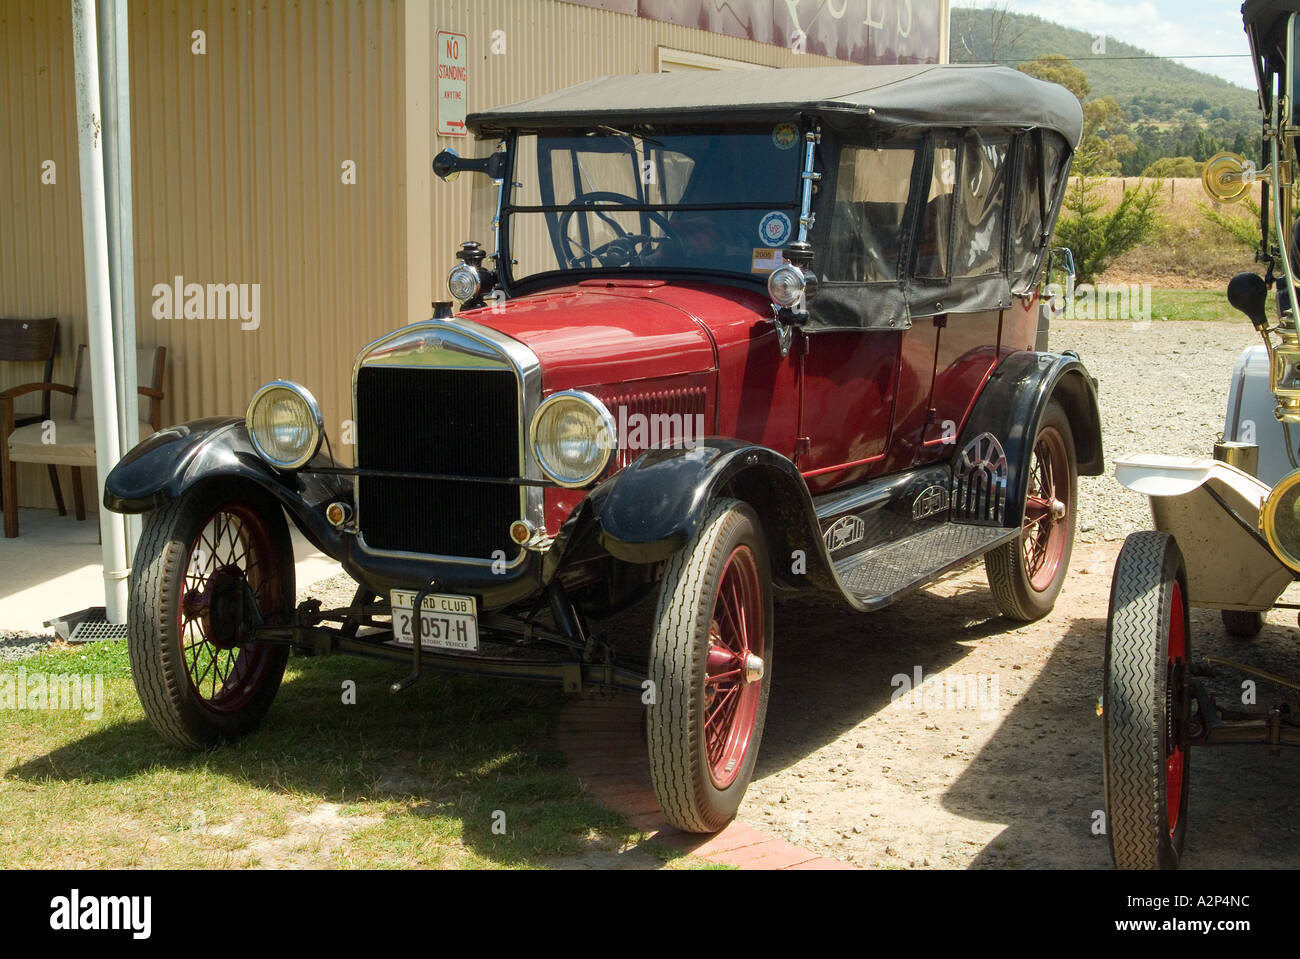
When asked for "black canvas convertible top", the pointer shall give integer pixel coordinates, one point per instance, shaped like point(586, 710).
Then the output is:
point(917, 95)
point(1266, 22)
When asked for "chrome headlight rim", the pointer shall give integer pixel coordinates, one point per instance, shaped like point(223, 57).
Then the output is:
point(1269, 520)
point(317, 420)
point(607, 424)
point(801, 278)
point(475, 276)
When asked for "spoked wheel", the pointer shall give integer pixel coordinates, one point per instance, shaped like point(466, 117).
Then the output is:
point(209, 568)
point(710, 665)
point(1147, 704)
point(1026, 574)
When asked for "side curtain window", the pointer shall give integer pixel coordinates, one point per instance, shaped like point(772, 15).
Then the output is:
point(981, 206)
point(1041, 159)
point(1027, 213)
point(871, 193)
point(934, 242)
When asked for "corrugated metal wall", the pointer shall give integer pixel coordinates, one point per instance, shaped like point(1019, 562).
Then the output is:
point(240, 136)
point(238, 161)
point(41, 267)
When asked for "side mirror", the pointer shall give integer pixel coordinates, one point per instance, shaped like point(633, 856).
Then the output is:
point(449, 164)
point(1062, 257)
point(1248, 293)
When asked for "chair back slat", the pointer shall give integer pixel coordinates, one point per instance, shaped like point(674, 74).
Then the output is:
point(28, 341)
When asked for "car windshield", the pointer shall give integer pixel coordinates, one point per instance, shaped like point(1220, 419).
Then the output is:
point(612, 200)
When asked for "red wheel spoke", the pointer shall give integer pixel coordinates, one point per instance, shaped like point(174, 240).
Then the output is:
point(233, 550)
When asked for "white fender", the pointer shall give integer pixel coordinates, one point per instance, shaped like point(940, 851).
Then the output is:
point(1210, 508)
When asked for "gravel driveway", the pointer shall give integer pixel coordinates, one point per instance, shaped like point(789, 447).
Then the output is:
point(1163, 389)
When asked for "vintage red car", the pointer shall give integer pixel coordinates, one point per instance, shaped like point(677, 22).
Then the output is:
point(730, 336)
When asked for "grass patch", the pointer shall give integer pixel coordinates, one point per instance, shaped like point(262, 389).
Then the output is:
point(454, 773)
point(1166, 304)
point(1192, 305)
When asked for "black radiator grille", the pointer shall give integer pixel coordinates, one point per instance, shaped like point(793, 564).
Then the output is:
point(455, 422)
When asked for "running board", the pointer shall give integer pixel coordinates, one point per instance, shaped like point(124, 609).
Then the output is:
point(875, 578)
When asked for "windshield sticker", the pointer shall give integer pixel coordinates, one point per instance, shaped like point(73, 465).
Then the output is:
point(766, 259)
point(785, 136)
point(774, 228)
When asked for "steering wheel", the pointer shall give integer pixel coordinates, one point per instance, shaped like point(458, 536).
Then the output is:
point(625, 247)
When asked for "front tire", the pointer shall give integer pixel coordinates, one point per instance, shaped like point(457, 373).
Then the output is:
point(710, 665)
point(200, 680)
point(1146, 705)
point(1026, 575)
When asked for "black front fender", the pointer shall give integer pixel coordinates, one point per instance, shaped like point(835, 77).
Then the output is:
point(172, 461)
point(652, 508)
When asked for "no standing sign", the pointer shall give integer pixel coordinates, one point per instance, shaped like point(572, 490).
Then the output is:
point(453, 83)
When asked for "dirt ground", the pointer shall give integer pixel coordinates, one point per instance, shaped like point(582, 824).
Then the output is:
point(853, 773)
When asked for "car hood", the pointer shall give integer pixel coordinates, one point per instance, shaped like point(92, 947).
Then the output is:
point(598, 332)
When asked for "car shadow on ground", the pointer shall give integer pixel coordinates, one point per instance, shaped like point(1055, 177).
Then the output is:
point(1042, 772)
point(835, 667)
point(1039, 774)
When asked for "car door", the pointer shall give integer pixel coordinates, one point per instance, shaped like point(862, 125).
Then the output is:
point(849, 378)
point(967, 208)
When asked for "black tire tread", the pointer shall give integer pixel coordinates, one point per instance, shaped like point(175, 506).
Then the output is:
point(672, 722)
point(1242, 624)
point(157, 671)
point(1133, 705)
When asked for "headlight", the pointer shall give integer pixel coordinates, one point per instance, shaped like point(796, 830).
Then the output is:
point(464, 282)
point(785, 285)
point(1279, 518)
point(285, 424)
point(573, 437)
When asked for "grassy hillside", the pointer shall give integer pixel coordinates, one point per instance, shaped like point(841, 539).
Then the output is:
point(1025, 36)
point(1173, 110)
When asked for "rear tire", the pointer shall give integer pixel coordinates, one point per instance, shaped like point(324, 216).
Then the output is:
point(710, 665)
point(1243, 624)
point(200, 681)
point(1026, 575)
point(1146, 705)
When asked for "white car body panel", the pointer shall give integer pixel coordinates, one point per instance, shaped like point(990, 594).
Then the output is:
point(1212, 510)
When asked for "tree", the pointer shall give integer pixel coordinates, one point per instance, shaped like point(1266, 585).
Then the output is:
point(1055, 68)
point(1242, 230)
point(1005, 29)
point(1099, 238)
point(1173, 167)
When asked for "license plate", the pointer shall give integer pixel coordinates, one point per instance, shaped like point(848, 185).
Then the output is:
point(446, 621)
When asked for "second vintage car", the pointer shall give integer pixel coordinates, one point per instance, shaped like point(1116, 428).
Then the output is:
point(727, 337)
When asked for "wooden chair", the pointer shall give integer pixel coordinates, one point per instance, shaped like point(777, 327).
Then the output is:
point(32, 341)
point(71, 442)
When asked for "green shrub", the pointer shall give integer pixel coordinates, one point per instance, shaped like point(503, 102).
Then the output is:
point(1167, 167)
point(1098, 238)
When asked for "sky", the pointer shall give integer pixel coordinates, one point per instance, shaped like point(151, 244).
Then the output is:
point(1170, 28)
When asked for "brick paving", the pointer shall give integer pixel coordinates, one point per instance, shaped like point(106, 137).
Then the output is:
point(604, 743)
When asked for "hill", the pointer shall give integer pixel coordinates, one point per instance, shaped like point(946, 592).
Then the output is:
point(1172, 109)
